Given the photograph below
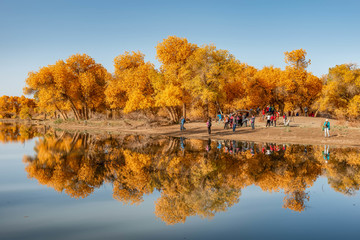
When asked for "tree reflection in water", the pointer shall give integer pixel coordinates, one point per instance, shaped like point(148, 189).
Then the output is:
point(194, 177)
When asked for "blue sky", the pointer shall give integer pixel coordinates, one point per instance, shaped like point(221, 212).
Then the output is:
point(37, 33)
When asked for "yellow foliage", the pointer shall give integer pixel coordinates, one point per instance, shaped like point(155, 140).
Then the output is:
point(341, 92)
point(131, 87)
point(296, 59)
point(78, 83)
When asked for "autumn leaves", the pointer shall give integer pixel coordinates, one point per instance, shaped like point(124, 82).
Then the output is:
point(77, 84)
point(197, 81)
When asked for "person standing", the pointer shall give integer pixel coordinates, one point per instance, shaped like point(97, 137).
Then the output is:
point(226, 122)
point(263, 114)
point(234, 125)
point(268, 120)
point(252, 120)
point(244, 120)
point(306, 111)
point(182, 122)
point(208, 124)
point(237, 119)
point(326, 127)
point(219, 117)
point(274, 120)
point(284, 118)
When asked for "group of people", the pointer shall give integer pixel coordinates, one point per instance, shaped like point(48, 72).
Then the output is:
point(233, 121)
point(241, 119)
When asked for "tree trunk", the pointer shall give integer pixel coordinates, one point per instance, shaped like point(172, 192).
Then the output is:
point(86, 112)
point(184, 110)
point(168, 109)
point(217, 103)
point(172, 110)
point(76, 113)
point(61, 112)
point(207, 110)
point(316, 113)
point(83, 115)
point(177, 112)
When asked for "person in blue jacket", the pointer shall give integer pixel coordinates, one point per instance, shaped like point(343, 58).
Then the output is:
point(326, 127)
point(182, 122)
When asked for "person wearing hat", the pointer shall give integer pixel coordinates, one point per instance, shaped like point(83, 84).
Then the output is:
point(326, 127)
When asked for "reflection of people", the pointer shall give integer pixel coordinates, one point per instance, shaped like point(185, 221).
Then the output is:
point(326, 127)
point(182, 144)
point(208, 124)
point(219, 145)
point(208, 146)
point(252, 149)
point(326, 153)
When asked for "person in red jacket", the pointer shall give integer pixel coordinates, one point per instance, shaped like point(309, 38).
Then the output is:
point(263, 114)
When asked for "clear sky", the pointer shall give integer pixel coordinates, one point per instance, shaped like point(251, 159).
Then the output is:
point(35, 33)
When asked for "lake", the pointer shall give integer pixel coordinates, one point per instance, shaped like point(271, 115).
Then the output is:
point(59, 185)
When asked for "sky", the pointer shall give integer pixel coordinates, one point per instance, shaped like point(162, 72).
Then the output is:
point(37, 33)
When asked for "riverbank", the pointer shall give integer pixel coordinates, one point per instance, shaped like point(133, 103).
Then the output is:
point(302, 130)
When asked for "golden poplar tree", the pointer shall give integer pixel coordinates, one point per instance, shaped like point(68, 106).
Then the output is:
point(302, 87)
point(173, 54)
point(341, 92)
point(77, 84)
point(131, 87)
point(206, 73)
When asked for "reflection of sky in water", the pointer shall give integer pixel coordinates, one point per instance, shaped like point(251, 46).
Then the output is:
point(32, 211)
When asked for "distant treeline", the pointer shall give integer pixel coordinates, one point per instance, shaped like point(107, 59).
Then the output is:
point(193, 81)
point(13, 107)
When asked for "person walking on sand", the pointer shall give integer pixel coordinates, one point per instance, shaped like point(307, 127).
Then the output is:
point(326, 127)
point(208, 124)
point(182, 122)
point(252, 121)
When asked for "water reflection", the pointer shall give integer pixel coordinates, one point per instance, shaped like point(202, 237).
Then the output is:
point(194, 177)
point(16, 133)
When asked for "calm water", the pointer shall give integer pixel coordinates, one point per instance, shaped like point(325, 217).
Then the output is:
point(56, 185)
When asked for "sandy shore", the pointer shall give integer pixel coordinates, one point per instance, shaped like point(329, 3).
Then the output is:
point(302, 130)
